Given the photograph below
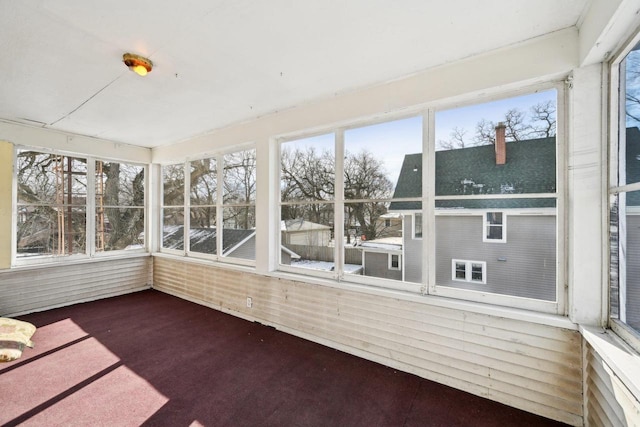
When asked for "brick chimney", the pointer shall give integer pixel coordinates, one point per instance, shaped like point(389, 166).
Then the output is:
point(500, 145)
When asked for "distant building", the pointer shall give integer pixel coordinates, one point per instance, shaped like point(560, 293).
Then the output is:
point(498, 245)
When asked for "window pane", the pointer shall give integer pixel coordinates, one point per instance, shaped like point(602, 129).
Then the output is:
point(476, 272)
point(45, 230)
point(307, 236)
point(371, 247)
point(173, 185)
point(383, 162)
point(203, 182)
point(629, 138)
point(173, 228)
point(119, 184)
point(503, 147)
point(461, 270)
point(52, 196)
point(625, 292)
point(239, 177)
point(239, 232)
point(307, 169)
point(119, 228)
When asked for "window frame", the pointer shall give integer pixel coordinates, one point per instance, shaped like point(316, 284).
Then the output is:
point(219, 206)
point(390, 262)
point(469, 264)
point(428, 286)
point(486, 224)
point(90, 210)
point(617, 85)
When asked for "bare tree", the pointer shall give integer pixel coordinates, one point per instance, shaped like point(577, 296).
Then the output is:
point(366, 179)
point(543, 119)
point(456, 139)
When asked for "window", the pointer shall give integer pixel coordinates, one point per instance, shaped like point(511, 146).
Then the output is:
point(417, 225)
point(55, 192)
point(221, 191)
point(394, 262)
point(494, 227)
point(625, 198)
point(351, 203)
point(492, 161)
point(52, 204)
point(119, 199)
point(342, 206)
point(469, 271)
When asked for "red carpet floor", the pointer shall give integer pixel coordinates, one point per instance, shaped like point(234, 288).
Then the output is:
point(155, 360)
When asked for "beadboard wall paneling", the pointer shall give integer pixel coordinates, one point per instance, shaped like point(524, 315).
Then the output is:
point(29, 289)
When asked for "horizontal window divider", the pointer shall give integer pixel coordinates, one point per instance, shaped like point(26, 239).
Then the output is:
point(233, 205)
point(120, 206)
point(307, 202)
point(399, 199)
point(499, 196)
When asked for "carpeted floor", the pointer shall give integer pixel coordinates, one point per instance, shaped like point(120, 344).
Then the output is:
point(152, 359)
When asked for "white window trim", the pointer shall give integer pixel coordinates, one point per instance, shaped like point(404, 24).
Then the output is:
point(390, 262)
point(468, 271)
point(486, 224)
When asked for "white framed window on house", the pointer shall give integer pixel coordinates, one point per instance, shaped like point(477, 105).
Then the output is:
point(209, 212)
point(395, 262)
point(469, 271)
point(624, 194)
point(494, 161)
point(65, 211)
point(494, 226)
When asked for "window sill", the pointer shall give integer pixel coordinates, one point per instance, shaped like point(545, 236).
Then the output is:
point(620, 357)
point(50, 263)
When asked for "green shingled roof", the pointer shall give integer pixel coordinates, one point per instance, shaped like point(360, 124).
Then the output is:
point(530, 168)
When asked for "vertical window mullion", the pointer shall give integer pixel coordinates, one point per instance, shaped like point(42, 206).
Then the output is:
point(338, 207)
point(219, 204)
point(428, 202)
point(90, 207)
point(187, 203)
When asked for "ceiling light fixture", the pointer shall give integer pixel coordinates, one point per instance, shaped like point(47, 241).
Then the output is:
point(138, 64)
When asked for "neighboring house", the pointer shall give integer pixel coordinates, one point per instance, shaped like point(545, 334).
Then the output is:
point(500, 245)
point(301, 232)
point(235, 243)
point(382, 258)
point(389, 225)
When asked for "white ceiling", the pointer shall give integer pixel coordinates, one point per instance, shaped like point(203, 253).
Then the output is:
point(219, 62)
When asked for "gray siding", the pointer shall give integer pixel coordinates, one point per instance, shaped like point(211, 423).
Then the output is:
point(529, 266)
point(377, 265)
point(633, 271)
point(247, 250)
point(412, 253)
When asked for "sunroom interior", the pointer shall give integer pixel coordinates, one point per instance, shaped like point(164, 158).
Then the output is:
point(447, 189)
